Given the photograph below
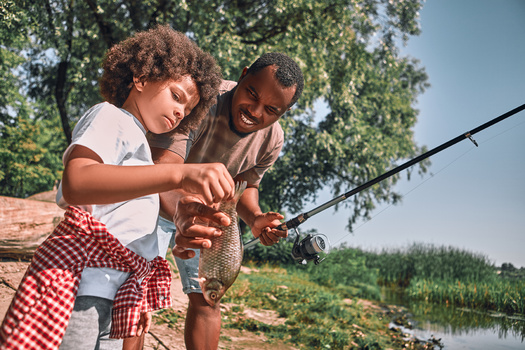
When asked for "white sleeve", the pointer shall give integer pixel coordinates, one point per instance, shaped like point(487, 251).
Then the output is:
point(110, 133)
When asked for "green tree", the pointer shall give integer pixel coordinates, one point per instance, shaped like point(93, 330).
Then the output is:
point(26, 164)
point(13, 37)
point(346, 48)
point(30, 146)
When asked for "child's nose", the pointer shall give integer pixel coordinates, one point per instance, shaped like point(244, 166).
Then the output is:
point(178, 113)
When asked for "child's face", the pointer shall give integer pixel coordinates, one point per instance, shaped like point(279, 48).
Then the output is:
point(161, 106)
point(259, 100)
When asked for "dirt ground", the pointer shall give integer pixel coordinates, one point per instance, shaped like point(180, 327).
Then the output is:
point(160, 336)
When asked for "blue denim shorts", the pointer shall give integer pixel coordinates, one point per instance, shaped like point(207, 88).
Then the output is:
point(188, 268)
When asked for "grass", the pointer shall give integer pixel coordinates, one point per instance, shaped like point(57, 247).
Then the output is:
point(319, 302)
point(317, 317)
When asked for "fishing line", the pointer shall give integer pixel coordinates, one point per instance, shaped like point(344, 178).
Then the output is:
point(503, 132)
point(308, 248)
point(432, 175)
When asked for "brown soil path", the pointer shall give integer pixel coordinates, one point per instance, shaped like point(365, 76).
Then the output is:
point(160, 336)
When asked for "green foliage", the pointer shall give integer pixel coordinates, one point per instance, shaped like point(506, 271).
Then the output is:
point(279, 254)
point(500, 295)
point(346, 48)
point(398, 266)
point(345, 270)
point(13, 30)
point(450, 276)
point(29, 159)
point(509, 271)
point(443, 275)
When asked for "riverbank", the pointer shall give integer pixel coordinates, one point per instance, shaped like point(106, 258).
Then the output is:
point(167, 331)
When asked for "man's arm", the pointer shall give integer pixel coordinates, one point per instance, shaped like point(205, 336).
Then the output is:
point(261, 224)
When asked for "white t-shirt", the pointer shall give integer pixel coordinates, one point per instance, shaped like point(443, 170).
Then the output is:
point(119, 139)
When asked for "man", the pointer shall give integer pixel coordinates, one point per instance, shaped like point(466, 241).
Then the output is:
point(241, 131)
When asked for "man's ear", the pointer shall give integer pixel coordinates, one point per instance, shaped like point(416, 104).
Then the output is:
point(138, 83)
point(243, 74)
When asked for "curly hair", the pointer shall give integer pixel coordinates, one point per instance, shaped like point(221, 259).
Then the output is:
point(287, 74)
point(160, 54)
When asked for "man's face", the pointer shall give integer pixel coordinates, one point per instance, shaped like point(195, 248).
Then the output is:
point(259, 100)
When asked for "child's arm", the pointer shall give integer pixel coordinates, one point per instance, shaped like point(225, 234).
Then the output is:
point(87, 180)
point(144, 323)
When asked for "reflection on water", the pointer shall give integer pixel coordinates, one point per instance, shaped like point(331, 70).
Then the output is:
point(461, 328)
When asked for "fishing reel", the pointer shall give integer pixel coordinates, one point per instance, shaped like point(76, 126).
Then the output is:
point(308, 248)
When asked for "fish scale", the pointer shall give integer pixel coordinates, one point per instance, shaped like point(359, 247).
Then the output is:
point(220, 264)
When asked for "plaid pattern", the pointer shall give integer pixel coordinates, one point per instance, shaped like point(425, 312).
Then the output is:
point(40, 310)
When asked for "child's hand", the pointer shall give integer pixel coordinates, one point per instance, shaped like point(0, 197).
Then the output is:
point(211, 180)
point(144, 323)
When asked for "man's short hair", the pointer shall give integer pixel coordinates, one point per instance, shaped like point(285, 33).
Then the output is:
point(288, 73)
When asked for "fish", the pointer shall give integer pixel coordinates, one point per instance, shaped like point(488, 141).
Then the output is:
point(220, 264)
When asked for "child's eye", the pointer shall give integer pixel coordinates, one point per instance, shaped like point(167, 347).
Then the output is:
point(175, 96)
point(252, 93)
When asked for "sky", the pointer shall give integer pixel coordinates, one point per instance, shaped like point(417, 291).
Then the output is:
point(472, 198)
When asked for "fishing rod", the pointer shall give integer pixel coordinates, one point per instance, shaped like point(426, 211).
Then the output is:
point(308, 248)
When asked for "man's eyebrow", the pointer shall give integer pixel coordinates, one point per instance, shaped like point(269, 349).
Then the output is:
point(254, 91)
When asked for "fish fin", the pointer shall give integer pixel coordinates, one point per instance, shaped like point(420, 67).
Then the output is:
point(239, 189)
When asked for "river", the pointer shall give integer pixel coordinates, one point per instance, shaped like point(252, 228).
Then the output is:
point(461, 328)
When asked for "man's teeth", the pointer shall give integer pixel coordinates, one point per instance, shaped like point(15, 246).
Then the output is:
point(246, 120)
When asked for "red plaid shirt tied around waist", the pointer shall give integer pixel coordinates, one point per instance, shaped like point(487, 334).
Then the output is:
point(40, 310)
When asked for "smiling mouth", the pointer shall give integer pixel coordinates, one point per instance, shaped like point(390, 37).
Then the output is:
point(245, 119)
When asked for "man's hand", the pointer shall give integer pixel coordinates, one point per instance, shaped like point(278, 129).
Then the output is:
point(263, 227)
point(196, 224)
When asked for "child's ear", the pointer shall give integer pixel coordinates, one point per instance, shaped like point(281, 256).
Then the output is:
point(138, 83)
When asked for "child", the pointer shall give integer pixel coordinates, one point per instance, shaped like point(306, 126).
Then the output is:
point(155, 81)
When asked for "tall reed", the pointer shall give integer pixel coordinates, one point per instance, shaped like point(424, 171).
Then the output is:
point(426, 261)
point(500, 295)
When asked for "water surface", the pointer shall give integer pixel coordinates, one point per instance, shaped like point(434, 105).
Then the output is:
point(461, 328)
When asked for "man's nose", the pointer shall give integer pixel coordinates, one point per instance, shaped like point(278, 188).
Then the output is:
point(256, 110)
